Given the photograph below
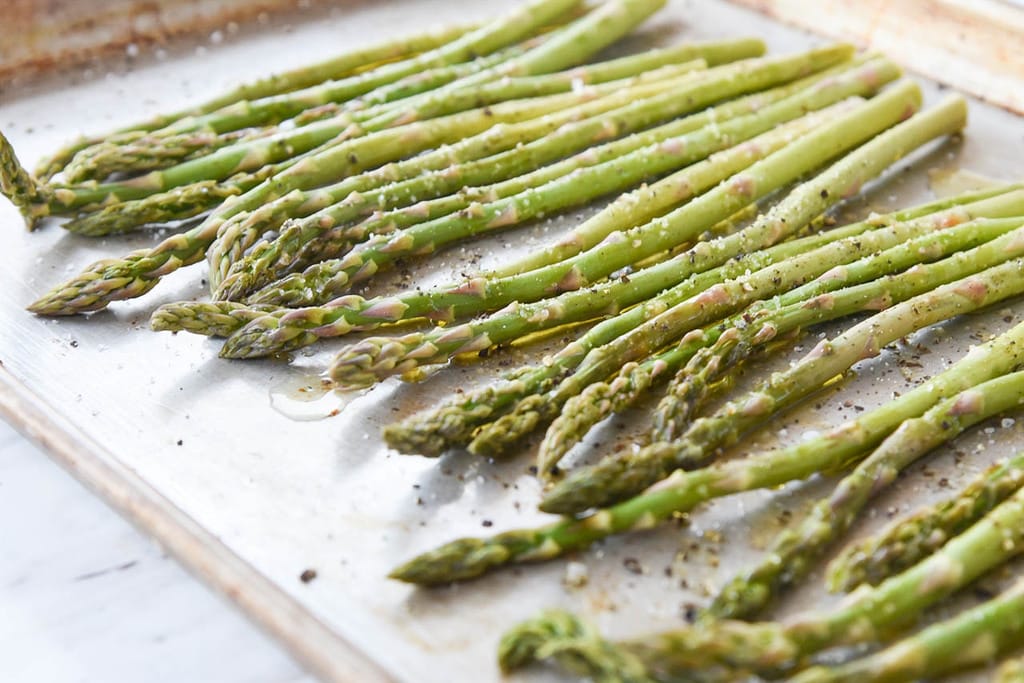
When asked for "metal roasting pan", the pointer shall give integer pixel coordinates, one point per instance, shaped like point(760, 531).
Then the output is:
point(208, 456)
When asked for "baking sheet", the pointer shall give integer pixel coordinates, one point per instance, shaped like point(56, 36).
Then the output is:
point(218, 467)
point(40, 37)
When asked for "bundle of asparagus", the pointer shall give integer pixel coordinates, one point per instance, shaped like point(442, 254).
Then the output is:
point(906, 543)
point(314, 181)
point(771, 648)
point(605, 347)
point(849, 443)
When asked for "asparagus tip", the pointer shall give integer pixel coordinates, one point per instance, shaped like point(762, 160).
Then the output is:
point(559, 635)
point(17, 184)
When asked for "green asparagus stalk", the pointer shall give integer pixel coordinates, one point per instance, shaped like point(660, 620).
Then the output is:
point(793, 551)
point(303, 77)
point(471, 557)
point(709, 353)
point(713, 52)
point(20, 187)
point(789, 215)
point(141, 155)
point(308, 242)
point(569, 275)
point(973, 638)
point(906, 541)
point(135, 152)
point(208, 318)
point(228, 315)
point(424, 81)
point(558, 635)
point(597, 486)
point(433, 432)
point(178, 204)
point(689, 388)
point(598, 122)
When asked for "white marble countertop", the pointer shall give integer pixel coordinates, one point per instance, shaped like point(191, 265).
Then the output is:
point(84, 596)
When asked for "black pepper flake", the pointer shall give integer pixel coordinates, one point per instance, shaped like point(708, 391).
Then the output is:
point(632, 565)
point(487, 523)
point(307, 575)
point(181, 442)
point(689, 612)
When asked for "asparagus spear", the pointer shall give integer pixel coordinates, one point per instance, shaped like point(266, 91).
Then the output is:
point(20, 187)
point(709, 353)
point(575, 273)
point(381, 251)
point(631, 114)
point(302, 77)
point(973, 638)
point(430, 79)
point(224, 316)
point(308, 242)
point(140, 155)
point(713, 52)
point(470, 557)
point(434, 431)
point(129, 214)
point(796, 211)
point(559, 635)
point(793, 551)
point(906, 541)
